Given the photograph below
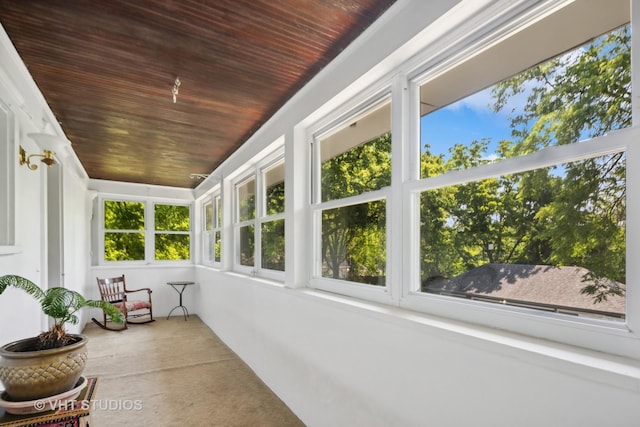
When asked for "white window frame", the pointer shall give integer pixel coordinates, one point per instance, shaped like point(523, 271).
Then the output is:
point(256, 173)
point(156, 232)
point(215, 200)
point(332, 123)
point(238, 223)
point(463, 42)
point(610, 336)
point(262, 216)
point(149, 230)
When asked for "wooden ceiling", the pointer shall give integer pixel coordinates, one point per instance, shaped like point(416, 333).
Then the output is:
point(107, 70)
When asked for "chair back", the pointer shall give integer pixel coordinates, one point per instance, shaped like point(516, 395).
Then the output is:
point(112, 289)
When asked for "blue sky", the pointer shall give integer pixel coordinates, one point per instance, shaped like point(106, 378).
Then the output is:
point(464, 121)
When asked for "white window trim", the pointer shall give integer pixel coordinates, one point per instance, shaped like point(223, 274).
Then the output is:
point(614, 337)
point(238, 224)
point(149, 230)
point(154, 232)
point(262, 217)
point(601, 334)
point(256, 172)
point(609, 336)
point(208, 235)
point(360, 106)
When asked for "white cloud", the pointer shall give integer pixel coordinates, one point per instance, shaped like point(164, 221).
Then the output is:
point(479, 102)
point(482, 102)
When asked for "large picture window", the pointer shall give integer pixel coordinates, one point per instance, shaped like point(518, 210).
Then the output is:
point(547, 232)
point(551, 238)
point(144, 230)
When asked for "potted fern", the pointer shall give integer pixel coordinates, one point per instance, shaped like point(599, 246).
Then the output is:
point(52, 362)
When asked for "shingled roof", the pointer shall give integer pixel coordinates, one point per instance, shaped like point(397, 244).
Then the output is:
point(547, 287)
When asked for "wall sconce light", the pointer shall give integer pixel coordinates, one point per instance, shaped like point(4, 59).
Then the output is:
point(47, 158)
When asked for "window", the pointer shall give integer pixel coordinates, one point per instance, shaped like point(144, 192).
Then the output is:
point(353, 169)
point(124, 236)
point(259, 224)
point(246, 197)
point(133, 233)
point(537, 219)
point(272, 222)
point(213, 230)
point(514, 159)
point(551, 238)
point(172, 232)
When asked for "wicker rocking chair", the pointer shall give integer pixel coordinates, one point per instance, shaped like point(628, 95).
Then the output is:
point(114, 291)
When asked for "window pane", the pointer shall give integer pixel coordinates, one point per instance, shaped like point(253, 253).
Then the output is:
point(120, 215)
point(172, 247)
point(208, 216)
point(218, 205)
point(551, 239)
point(247, 200)
point(357, 158)
point(217, 249)
point(209, 246)
point(354, 243)
point(247, 244)
point(580, 94)
point(273, 245)
point(123, 246)
point(274, 189)
point(172, 218)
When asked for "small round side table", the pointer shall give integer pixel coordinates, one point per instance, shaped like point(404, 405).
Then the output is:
point(176, 285)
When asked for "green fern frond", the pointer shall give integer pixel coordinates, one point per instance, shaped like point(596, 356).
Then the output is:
point(21, 283)
point(60, 304)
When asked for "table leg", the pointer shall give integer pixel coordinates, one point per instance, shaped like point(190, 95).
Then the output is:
point(185, 312)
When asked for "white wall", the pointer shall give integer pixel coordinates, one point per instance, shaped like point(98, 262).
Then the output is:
point(163, 296)
point(337, 362)
point(20, 315)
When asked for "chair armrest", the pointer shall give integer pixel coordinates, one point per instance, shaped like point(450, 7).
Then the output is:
point(138, 290)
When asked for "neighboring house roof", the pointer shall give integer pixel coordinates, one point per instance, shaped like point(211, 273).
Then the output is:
point(548, 286)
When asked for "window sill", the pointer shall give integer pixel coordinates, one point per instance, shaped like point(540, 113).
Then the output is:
point(256, 279)
point(617, 371)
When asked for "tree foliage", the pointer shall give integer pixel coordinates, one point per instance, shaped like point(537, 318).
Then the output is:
point(354, 237)
point(124, 237)
point(569, 215)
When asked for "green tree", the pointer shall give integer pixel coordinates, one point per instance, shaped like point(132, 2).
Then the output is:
point(355, 235)
point(172, 237)
point(125, 239)
point(583, 95)
point(572, 214)
point(486, 221)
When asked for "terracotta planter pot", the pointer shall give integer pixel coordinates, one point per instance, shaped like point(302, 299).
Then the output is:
point(32, 375)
